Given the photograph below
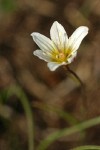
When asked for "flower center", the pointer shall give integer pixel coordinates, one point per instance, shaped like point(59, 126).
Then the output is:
point(61, 56)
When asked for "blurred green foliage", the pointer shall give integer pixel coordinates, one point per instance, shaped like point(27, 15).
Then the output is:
point(3, 96)
point(7, 5)
point(18, 91)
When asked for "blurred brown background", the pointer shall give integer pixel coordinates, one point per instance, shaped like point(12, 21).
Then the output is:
point(47, 90)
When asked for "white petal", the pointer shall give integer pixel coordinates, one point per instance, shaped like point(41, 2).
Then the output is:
point(58, 35)
point(42, 55)
point(72, 57)
point(77, 37)
point(54, 65)
point(43, 42)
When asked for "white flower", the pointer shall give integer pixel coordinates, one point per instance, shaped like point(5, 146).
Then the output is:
point(59, 50)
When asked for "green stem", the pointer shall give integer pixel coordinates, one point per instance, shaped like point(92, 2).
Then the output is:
point(75, 75)
point(29, 117)
point(83, 90)
point(25, 103)
point(65, 132)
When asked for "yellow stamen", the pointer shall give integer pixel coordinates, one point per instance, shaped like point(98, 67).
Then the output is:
point(61, 56)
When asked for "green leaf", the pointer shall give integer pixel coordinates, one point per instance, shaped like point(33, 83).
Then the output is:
point(67, 131)
point(87, 147)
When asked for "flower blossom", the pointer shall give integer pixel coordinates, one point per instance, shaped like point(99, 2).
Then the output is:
point(59, 50)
